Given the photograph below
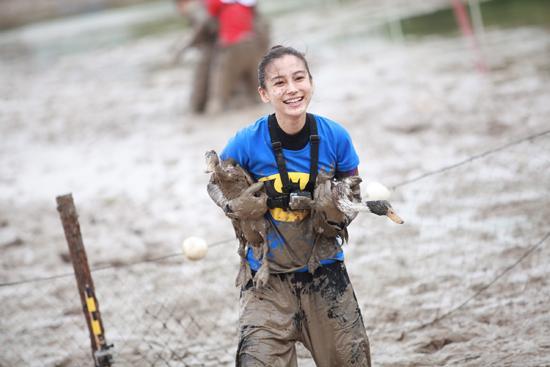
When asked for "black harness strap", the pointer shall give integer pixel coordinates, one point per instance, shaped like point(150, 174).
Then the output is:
point(314, 153)
point(278, 150)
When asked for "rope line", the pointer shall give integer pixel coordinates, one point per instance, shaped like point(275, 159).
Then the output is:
point(105, 267)
point(404, 183)
point(32, 280)
point(471, 159)
point(484, 288)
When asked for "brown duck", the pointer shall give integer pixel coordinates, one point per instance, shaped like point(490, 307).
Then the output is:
point(233, 181)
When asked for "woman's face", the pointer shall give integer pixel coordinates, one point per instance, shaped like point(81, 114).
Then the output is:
point(288, 86)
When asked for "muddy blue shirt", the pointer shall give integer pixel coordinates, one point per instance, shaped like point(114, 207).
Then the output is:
point(290, 234)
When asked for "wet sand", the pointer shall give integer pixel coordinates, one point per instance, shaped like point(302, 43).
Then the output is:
point(111, 126)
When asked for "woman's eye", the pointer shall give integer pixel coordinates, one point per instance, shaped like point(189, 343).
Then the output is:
point(278, 83)
point(299, 78)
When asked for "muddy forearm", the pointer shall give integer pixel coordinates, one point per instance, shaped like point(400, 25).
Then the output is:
point(205, 32)
point(356, 198)
point(355, 190)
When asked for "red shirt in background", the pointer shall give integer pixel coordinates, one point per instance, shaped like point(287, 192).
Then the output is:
point(236, 21)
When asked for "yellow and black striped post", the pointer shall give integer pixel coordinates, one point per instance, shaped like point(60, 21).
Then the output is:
point(84, 281)
point(102, 356)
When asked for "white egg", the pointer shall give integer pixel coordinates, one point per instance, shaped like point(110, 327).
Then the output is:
point(194, 248)
point(377, 191)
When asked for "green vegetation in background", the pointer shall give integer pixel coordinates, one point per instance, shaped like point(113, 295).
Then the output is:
point(516, 13)
point(495, 13)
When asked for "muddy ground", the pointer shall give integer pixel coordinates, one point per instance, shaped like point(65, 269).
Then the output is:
point(464, 282)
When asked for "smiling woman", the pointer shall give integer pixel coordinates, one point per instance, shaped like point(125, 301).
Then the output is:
point(308, 296)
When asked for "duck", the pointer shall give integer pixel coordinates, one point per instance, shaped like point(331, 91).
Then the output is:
point(342, 191)
point(334, 206)
point(233, 181)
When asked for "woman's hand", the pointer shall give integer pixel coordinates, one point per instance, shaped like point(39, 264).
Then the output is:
point(251, 204)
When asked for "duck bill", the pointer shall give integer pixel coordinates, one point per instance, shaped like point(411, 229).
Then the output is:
point(394, 217)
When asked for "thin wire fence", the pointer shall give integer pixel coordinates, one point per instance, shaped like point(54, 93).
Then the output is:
point(42, 325)
point(166, 322)
point(168, 312)
point(474, 212)
point(152, 320)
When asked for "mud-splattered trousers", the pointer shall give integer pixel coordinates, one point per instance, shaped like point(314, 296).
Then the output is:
point(319, 310)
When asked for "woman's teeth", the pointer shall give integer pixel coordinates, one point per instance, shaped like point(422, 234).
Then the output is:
point(294, 100)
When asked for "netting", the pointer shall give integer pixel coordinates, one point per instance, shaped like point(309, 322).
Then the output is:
point(172, 312)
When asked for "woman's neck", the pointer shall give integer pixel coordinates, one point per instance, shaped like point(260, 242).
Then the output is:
point(291, 125)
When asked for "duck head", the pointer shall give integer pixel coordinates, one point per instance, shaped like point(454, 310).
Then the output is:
point(383, 207)
point(212, 160)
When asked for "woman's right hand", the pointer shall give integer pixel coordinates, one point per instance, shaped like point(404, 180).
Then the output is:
point(251, 204)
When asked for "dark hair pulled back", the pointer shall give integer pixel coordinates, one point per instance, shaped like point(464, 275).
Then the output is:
point(277, 52)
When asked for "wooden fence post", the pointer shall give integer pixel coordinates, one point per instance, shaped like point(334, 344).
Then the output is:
point(84, 281)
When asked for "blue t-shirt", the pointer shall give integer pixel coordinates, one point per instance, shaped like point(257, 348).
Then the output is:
point(251, 149)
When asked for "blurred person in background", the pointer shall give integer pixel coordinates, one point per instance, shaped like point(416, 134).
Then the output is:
point(203, 38)
point(243, 37)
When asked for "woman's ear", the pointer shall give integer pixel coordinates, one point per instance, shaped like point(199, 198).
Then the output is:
point(263, 95)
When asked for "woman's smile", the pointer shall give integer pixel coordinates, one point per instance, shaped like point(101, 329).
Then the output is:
point(294, 102)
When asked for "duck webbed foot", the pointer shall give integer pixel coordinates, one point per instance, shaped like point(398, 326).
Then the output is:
point(244, 274)
point(262, 276)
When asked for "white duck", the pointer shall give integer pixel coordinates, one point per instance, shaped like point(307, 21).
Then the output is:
point(376, 203)
point(333, 206)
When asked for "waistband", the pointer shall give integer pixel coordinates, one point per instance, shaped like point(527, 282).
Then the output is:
point(328, 263)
